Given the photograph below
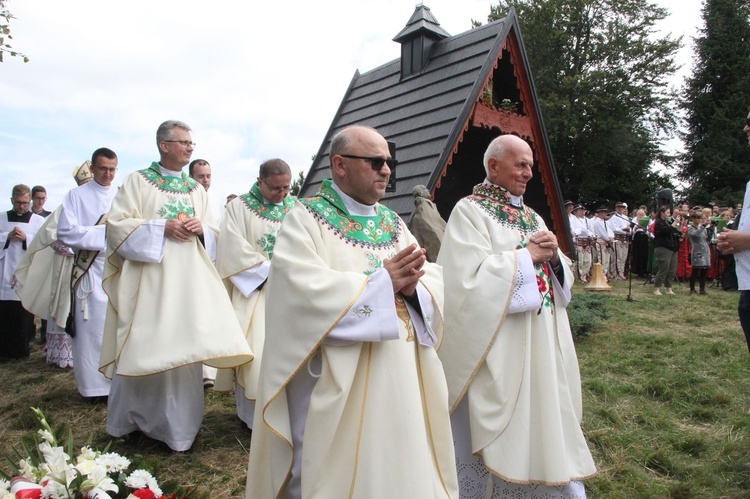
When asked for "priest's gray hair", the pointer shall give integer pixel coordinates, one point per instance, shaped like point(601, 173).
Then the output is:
point(164, 132)
point(273, 167)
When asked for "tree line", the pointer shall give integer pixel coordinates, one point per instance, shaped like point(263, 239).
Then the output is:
point(602, 78)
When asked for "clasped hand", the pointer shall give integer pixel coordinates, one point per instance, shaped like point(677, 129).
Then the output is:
point(182, 231)
point(542, 247)
point(17, 233)
point(405, 269)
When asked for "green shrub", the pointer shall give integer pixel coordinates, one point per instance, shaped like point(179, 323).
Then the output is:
point(588, 313)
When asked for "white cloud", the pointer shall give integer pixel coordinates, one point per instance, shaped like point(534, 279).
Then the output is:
point(255, 80)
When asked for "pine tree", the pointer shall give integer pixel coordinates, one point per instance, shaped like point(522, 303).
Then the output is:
point(601, 79)
point(716, 163)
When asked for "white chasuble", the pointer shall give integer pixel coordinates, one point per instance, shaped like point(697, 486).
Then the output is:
point(35, 271)
point(511, 357)
point(377, 424)
point(167, 305)
point(44, 287)
point(248, 233)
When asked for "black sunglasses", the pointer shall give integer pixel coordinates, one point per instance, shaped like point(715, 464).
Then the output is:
point(747, 121)
point(375, 163)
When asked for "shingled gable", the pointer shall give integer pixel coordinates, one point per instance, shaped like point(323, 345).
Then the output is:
point(442, 115)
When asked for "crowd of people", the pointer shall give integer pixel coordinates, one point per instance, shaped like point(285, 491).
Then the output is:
point(363, 368)
point(662, 246)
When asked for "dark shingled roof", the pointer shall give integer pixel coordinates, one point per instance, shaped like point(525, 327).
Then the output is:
point(419, 114)
point(427, 113)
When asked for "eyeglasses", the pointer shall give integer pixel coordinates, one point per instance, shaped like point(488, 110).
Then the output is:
point(747, 121)
point(375, 163)
point(184, 143)
point(281, 189)
point(20, 203)
point(38, 198)
point(104, 169)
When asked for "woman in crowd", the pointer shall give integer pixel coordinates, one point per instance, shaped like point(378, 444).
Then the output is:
point(640, 245)
point(684, 269)
point(700, 256)
point(666, 244)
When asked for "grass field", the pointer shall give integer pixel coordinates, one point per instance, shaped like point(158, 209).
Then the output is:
point(666, 406)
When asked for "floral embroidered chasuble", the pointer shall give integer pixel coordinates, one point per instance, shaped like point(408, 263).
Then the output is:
point(248, 233)
point(519, 370)
point(172, 312)
point(366, 432)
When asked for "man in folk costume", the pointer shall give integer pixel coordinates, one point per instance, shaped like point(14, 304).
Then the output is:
point(168, 309)
point(508, 353)
point(81, 227)
point(605, 239)
point(243, 257)
point(584, 242)
point(620, 225)
point(44, 281)
point(17, 228)
point(352, 400)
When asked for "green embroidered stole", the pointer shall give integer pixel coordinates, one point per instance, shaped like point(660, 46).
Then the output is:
point(178, 204)
point(496, 202)
point(376, 232)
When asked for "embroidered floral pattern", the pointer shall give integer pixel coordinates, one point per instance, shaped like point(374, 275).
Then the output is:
point(254, 202)
point(268, 240)
point(543, 281)
point(363, 311)
point(376, 232)
point(179, 208)
point(374, 262)
point(153, 176)
point(496, 202)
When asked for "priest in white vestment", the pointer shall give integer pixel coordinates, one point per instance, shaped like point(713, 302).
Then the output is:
point(44, 288)
point(44, 281)
point(352, 400)
point(81, 227)
point(243, 257)
point(18, 227)
point(508, 353)
point(168, 309)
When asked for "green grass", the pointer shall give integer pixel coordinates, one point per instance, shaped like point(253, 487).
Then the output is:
point(666, 400)
point(666, 391)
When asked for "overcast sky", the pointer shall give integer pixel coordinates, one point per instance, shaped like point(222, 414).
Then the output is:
point(254, 80)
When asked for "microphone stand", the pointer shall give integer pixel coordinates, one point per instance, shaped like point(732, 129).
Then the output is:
point(630, 263)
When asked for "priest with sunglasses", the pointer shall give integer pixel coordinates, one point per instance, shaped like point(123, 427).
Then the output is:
point(352, 398)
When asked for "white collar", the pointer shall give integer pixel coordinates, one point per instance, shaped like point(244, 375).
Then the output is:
point(355, 207)
point(166, 172)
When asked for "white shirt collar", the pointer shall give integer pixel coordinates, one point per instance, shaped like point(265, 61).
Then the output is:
point(166, 172)
point(355, 207)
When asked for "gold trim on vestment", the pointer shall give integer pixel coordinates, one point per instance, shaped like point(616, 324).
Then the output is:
point(361, 421)
point(426, 412)
point(540, 482)
point(283, 386)
point(494, 337)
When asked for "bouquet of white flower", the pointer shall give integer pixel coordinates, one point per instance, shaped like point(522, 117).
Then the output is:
point(49, 472)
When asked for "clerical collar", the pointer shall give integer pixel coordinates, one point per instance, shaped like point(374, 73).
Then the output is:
point(355, 207)
point(266, 201)
point(96, 185)
point(516, 201)
point(166, 172)
point(23, 217)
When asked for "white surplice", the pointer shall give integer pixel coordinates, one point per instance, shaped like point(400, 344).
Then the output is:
point(77, 228)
